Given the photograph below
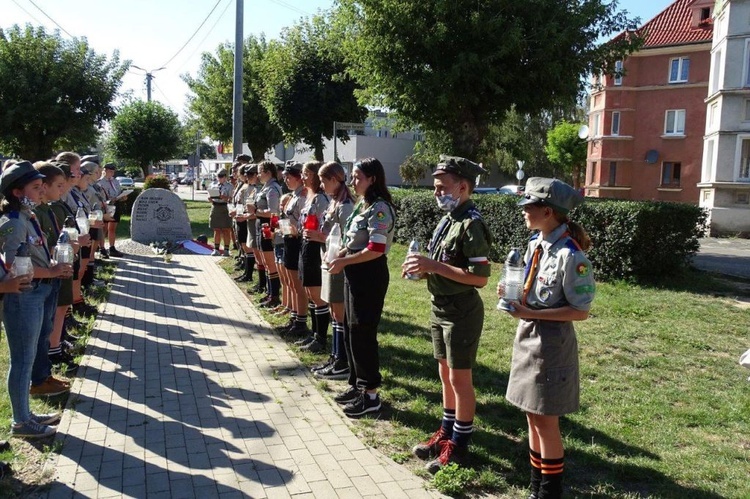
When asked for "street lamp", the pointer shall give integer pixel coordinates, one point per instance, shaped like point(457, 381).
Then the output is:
point(149, 77)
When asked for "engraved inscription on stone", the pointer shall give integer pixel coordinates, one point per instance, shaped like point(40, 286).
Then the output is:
point(159, 215)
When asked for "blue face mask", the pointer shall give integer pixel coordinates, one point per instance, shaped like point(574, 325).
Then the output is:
point(447, 202)
point(28, 203)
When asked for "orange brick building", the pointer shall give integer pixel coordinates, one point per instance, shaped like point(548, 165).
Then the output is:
point(646, 127)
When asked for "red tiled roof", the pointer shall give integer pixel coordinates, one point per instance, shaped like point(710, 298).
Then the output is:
point(673, 26)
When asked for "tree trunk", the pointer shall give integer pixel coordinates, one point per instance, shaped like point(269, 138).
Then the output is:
point(467, 139)
point(258, 153)
point(318, 148)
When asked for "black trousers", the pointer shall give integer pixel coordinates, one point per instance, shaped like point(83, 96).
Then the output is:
point(365, 285)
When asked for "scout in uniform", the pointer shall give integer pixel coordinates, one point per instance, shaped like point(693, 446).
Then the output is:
point(456, 266)
point(558, 289)
point(218, 219)
point(366, 240)
point(267, 204)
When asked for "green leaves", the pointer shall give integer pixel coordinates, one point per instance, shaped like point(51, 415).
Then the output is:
point(144, 133)
point(56, 93)
point(567, 150)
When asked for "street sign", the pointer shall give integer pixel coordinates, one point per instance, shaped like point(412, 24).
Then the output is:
point(520, 174)
point(355, 127)
point(193, 160)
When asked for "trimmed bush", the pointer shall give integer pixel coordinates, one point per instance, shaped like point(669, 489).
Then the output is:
point(631, 239)
point(128, 204)
point(157, 181)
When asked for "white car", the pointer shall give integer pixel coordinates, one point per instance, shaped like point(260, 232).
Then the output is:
point(126, 181)
point(512, 189)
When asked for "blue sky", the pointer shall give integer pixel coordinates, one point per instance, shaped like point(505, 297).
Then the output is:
point(151, 32)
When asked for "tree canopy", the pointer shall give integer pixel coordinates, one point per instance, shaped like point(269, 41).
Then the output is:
point(454, 67)
point(305, 85)
point(213, 93)
point(55, 93)
point(567, 150)
point(145, 133)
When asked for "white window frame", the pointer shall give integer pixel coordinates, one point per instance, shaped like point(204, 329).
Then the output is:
point(676, 131)
point(746, 65)
point(616, 119)
point(680, 68)
point(707, 172)
point(738, 158)
point(617, 80)
point(716, 72)
point(713, 111)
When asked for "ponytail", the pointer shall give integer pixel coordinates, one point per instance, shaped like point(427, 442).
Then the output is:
point(580, 235)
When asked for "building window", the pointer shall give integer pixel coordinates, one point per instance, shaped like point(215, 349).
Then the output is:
point(712, 111)
point(705, 14)
point(744, 173)
point(618, 73)
point(747, 109)
point(742, 198)
point(708, 162)
point(679, 69)
point(592, 173)
point(670, 174)
point(616, 123)
point(674, 122)
point(596, 125)
point(747, 62)
point(716, 72)
point(612, 173)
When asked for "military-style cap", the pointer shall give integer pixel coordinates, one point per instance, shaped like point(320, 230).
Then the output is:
point(222, 173)
point(458, 166)
point(90, 157)
point(110, 166)
point(64, 166)
point(85, 171)
point(292, 166)
point(552, 192)
point(18, 175)
point(89, 166)
point(243, 158)
point(250, 169)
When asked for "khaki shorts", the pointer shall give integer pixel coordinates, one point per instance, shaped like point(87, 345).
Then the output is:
point(456, 326)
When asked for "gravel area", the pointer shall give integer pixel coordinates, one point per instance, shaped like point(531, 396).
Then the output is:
point(131, 247)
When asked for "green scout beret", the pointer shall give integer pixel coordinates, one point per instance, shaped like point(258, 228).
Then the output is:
point(458, 166)
point(18, 175)
point(552, 192)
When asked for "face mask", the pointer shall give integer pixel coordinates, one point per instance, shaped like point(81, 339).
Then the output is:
point(447, 202)
point(28, 203)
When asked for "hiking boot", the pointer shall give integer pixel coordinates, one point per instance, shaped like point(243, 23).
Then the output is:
point(115, 252)
point(50, 387)
point(431, 448)
point(31, 430)
point(338, 370)
point(449, 453)
point(314, 347)
point(350, 395)
point(272, 302)
point(362, 405)
point(46, 419)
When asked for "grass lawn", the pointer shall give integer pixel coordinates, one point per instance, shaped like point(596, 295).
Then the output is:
point(665, 406)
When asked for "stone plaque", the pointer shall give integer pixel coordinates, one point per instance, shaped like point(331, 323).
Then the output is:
point(159, 215)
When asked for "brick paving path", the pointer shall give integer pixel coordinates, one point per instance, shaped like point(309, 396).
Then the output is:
point(184, 391)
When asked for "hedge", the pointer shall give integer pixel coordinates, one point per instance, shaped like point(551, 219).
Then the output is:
point(631, 239)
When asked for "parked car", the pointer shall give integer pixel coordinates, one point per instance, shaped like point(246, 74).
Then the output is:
point(512, 189)
point(126, 182)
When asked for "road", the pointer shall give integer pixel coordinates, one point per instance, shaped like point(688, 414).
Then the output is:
point(729, 256)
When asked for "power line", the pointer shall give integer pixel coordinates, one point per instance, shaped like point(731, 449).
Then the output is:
point(163, 94)
point(200, 44)
point(290, 7)
point(27, 12)
point(48, 17)
point(193, 35)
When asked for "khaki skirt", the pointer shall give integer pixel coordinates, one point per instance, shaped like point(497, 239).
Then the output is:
point(544, 375)
point(219, 217)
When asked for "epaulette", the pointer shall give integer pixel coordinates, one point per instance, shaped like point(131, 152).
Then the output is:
point(474, 214)
point(572, 245)
point(534, 237)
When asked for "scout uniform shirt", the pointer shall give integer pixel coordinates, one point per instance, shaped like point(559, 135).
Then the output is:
point(19, 227)
point(225, 189)
point(461, 240)
point(111, 187)
point(268, 197)
point(293, 210)
point(564, 275)
point(317, 208)
point(370, 227)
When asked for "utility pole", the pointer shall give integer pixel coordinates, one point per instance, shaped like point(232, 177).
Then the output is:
point(149, 77)
point(237, 99)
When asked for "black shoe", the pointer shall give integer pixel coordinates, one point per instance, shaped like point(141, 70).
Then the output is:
point(65, 361)
point(322, 367)
point(242, 278)
point(304, 341)
point(314, 347)
point(115, 252)
point(271, 303)
point(362, 405)
point(5, 470)
point(4, 446)
point(339, 370)
point(259, 288)
point(103, 253)
point(350, 395)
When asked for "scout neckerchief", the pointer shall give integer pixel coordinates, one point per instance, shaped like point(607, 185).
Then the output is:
point(438, 234)
point(40, 234)
point(349, 220)
point(532, 267)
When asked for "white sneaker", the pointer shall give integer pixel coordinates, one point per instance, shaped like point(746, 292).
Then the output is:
point(216, 253)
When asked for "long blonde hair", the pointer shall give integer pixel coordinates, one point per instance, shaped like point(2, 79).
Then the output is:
point(334, 171)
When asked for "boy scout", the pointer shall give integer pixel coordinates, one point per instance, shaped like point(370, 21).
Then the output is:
point(456, 266)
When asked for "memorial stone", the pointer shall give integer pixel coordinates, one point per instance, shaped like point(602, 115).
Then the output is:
point(159, 215)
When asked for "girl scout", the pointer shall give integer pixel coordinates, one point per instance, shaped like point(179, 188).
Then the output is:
point(558, 289)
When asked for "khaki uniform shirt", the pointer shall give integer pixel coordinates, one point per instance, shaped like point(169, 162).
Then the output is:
point(461, 240)
point(370, 227)
point(17, 227)
point(564, 275)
